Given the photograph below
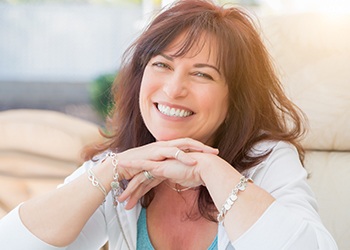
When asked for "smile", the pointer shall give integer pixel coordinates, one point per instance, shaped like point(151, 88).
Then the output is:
point(166, 110)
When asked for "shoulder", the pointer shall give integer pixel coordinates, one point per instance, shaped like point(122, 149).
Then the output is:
point(268, 145)
point(275, 150)
point(282, 163)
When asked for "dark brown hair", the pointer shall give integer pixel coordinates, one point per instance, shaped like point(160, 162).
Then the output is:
point(258, 108)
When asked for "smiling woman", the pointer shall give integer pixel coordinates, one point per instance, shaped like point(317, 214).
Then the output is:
point(184, 96)
point(199, 114)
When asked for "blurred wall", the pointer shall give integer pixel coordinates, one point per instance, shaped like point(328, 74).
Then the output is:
point(49, 53)
point(71, 43)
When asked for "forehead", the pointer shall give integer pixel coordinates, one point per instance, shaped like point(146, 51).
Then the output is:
point(204, 46)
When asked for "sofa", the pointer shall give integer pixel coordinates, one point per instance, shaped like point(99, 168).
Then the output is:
point(311, 53)
point(38, 149)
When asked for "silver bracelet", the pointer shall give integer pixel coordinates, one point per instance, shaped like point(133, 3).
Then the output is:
point(115, 184)
point(96, 182)
point(241, 186)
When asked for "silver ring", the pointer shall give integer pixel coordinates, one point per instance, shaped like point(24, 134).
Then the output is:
point(177, 153)
point(148, 175)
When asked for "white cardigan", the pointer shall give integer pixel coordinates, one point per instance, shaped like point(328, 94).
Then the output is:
point(291, 222)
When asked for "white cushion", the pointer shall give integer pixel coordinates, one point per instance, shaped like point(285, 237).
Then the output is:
point(312, 54)
point(46, 133)
point(329, 178)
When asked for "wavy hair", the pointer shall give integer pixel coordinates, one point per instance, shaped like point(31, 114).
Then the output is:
point(258, 108)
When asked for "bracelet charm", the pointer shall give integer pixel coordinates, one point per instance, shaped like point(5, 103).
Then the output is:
point(115, 184)
point(96, 183)
point(241, 186)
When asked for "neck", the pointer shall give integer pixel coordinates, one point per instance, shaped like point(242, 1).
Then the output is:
point(178, 188)
point(167, 202)
point(166, 193)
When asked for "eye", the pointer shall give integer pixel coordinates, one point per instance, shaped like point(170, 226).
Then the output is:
point(161, 65)
point(204, 75)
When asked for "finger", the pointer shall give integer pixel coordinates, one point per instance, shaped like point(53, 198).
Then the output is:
point(139, 180)
point(156, 168)
point(137, 188)
point(168, 152)
point(132, 186)
point(168, 169)
point(139, 193)
point(184, 158)
point(188, 144)
point(148, 175)
point(162, 153)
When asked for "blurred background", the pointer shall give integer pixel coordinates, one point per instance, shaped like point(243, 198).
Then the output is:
point(52, 52)
point(58, 59)
point(62, 54)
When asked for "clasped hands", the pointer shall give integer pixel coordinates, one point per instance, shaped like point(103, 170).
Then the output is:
point(179, 161)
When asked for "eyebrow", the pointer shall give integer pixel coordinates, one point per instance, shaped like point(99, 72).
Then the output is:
point(167, 57)
point(202, 65)
point(197, 65)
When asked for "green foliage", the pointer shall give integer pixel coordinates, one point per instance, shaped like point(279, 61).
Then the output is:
point(100, 94)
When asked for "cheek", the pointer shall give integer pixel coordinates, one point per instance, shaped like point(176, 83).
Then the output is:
point(216, 103)
point(149, 83)
point(142, 96)
point(145, 86)
point(221, 110)
point(147, 89)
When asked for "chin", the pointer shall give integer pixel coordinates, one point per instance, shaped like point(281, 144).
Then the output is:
point(166, 136)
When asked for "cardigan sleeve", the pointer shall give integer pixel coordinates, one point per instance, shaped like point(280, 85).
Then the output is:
point(15, 236)
point(292, 221)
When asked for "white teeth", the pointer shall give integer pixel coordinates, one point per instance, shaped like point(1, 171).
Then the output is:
point(166, 110)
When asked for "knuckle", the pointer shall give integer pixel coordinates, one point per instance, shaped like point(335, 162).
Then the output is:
point(188, 140)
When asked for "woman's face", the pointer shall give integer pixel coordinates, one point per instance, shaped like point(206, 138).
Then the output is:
point(184, 96)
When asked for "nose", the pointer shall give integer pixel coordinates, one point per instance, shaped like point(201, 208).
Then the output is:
point(176, 86)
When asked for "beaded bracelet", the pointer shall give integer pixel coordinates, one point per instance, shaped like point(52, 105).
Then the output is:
point(96, 182)
point(115, 184)
point(241, 186)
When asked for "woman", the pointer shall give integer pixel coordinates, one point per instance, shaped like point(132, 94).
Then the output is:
point(199, 113)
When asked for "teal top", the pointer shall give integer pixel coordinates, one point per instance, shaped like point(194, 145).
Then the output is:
point(143, 241)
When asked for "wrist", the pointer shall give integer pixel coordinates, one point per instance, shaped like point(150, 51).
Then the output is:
point(215, 169)
point(106, 171)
